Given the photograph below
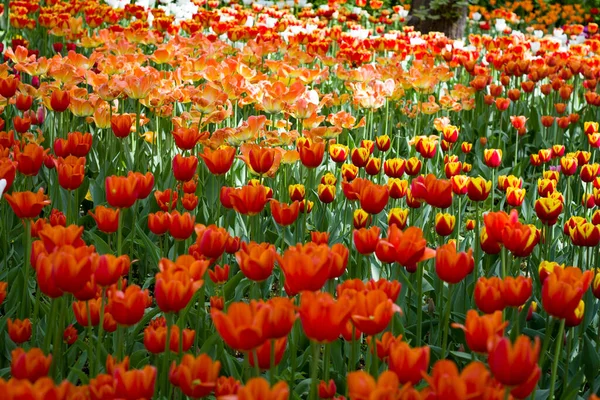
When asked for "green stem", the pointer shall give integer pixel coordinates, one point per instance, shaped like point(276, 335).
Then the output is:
point(256, 366)
point(100, 330)
point(316, 352)
point(419, 305)
point(557, 350)
point(120, 234)
point(447, 320)
point(165, 371)
point(26, 268)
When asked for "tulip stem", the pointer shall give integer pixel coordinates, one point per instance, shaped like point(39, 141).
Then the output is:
point(326, 358)
point(557, 350)
point(272, 363)
point(493, 188)
point(353, 349)
point(316, 352)
point(120, 233)
point(447, 319)
point(100, 329)
point(419, 300)
point(374, 358)
point(256, 366)
point(27, 261)
point(165, 371)
point(477, 248)
point(89, 338)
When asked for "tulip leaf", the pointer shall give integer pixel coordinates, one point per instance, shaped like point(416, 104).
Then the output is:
point(149, 247)
point(101, 246)
point(591, 361)
point(574, 384)
point(230, 287)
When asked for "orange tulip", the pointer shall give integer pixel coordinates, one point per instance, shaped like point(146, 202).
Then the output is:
point(512, 364)
point(323, 319)
point(435, 192)
point(259, 388)
point(516, 291)
point(218, 161)
point(136, 383)
point(452, 266)
point(520, 239)
point(408, 363)
point(480, 329)
point(145, 183)
point(256, 261)
point(407, 248)
point(31, 365)
point(184, 168)
point(311, 153)
point(128, 306)
point(366, 240)
point(30, 158)
point(107, 219)
point(195, 376)
point(563, 289)
point(488, 294)
point(19, 331)
point(362, 386)
point(158, 223)
point(242, 326)
point(71, 172)
point(181, 226)
point(249, 200)
point(121, 192)
point(284, 214)
point(187, 138)
point(305, 267)
point(155, 337)
point(373, 311)
point(174, 289)
point(373, 198)
point(166, 200)
point(27, 205)
point(211, 240)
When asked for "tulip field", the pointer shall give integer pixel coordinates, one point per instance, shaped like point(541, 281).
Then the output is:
point(284, 200)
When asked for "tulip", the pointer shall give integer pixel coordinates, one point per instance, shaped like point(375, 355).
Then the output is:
point(305, 267)
point(256, 261)
point(563, 289)
point(19, 331)
point(366, 240)
point(135, 384)
point(488, 294)
point(121, 192)
point(373, 311)
point(242, 326)
point(512, 364)
point(479, 330)
point(195, 376)
point(107, 219)
point(409, 364)
point(31, 365)
point(322, 317)
point(452, 266)
point(516, 291)
point(128, 306)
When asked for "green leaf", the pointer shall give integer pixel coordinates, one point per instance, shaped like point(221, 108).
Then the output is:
point(591, 361)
